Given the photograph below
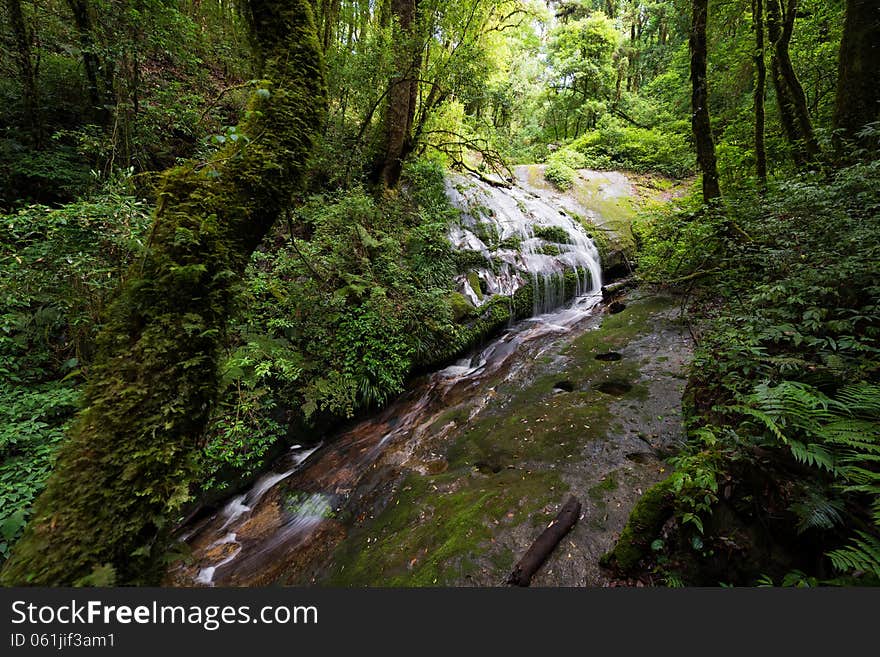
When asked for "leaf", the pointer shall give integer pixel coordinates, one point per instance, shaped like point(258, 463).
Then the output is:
point(11, 525)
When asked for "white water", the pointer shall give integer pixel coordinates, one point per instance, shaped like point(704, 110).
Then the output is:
point(240, 505)
point(494, 219)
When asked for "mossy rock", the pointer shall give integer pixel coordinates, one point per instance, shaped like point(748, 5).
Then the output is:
point(549, 250)
point(644, 524)
point(514, 243)
point(466, 260)
point(554, 234)
point(462, 308)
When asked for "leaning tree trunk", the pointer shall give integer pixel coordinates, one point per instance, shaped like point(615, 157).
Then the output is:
point(700, 122)
point(789, 90)
point(858, 90)
point(784, 102)
point(760, 90)
point(128, 461)
point(402, 97)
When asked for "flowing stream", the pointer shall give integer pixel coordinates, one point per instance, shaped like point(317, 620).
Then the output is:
point(293, 515)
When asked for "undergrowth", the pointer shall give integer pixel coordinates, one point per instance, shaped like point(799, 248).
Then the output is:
point(780, 474)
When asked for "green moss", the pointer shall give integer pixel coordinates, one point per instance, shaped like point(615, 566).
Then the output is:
point(437, 530)
point(643, 525)
point(129, 458)
point(555, 234)
point(502, 467)
point(617, 330)
point(496, 313)
point(608, 484)
point(473, 279)
point(514, 243)
point(462, 308)
point(467, 260)
point(487, 232)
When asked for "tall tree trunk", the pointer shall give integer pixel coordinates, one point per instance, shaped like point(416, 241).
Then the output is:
point(27, 71)
point(783, 97)
point(330, 11)
point(858, 87)
point(91, 63)
point(402, 97)
point(793, 96)
point(700, 122)
point(128, 460)
point(760, 89)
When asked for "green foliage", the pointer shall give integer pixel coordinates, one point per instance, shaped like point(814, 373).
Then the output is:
point(33, 420)
point(335, 323)
point(555, 234)
point(561, 167)
point(59, 269)
point(615, 145)
point(154, 380)
point(161, 73)
point(788, 363)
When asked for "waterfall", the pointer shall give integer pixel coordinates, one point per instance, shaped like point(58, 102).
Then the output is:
point(513, 238)
point(522, 239)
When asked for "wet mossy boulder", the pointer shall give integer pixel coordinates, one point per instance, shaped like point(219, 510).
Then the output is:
point(462, 308)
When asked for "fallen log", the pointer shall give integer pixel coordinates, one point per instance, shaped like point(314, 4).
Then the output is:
point(611, 289)
point(545, 543)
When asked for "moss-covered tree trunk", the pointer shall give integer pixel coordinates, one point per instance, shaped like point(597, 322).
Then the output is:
point(128, 460)
point(858, 84)
point(700, 122)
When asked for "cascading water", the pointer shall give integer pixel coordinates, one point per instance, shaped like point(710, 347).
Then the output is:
point(522, 239)
point(291, 516)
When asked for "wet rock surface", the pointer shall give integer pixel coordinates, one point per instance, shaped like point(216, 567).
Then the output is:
point(452, 483)
point(536, 446)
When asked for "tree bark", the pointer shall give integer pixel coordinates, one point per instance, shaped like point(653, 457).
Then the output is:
point(129, 458)
point(402, 97)
point(760, 90)
point(790, 93)
point(27, 70)
point(858, 89)
point(329, 18)
point(700, 122)
point(91, 62)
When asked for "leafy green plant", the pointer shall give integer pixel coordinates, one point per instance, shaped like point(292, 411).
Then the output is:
point(785, 374)
point(58, 268)
point(561, 168)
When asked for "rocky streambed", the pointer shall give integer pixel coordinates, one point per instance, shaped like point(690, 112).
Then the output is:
point(451, 483)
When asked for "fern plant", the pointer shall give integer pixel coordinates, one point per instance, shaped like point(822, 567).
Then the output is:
point(840, 435)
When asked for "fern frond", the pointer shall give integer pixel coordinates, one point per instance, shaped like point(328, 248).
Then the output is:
point(761, 416)
point(862, 553)
point(861, 398)
point(862, 435)
point(815, 511)
point(813, 454)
